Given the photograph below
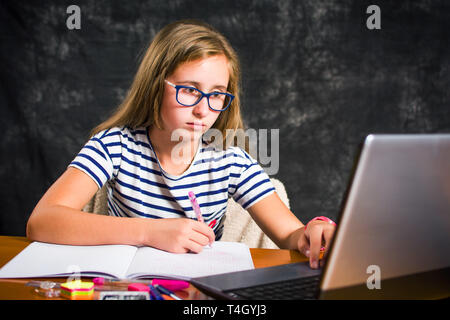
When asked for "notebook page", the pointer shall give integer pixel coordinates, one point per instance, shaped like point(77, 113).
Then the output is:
point(45, 260)
point(221, 258)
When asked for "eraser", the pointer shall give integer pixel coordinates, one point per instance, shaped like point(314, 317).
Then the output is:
point(173, 285)
point(138, 287)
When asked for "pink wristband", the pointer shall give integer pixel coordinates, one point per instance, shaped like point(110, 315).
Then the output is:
point(322, 218)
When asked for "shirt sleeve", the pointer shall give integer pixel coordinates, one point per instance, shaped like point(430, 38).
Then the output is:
point(251, 182)
point(100, 156)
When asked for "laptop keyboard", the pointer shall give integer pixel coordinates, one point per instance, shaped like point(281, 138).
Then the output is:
point(296, 289)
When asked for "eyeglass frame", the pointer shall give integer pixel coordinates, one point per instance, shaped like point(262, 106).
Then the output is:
point(207, 95)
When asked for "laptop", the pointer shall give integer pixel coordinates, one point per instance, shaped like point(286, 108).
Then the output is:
point(393, 235)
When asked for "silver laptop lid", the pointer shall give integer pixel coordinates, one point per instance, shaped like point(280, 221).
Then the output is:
point(397, 214)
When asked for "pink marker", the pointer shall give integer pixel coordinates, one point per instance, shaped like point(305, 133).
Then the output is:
point(195, 206)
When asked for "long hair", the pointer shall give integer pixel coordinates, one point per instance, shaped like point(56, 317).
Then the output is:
point(178, 42)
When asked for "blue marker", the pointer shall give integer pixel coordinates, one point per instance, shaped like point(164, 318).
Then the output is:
point(167, 291)
point(155, 293)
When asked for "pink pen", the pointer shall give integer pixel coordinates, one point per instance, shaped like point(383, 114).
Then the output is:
point(195, 206)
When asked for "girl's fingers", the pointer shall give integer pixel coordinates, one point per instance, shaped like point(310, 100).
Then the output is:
point(194, 246)
point(315, 243)
point(208, 232)
point(303, 245)
point(200, 238)
point(327, 237)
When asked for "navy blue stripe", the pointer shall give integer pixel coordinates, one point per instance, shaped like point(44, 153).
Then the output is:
point(105, 133)
point(207, 193)
point(102, 145)
point(112, 208)
point(147, 193)
point(208, 171)
point(197, 184)
point(139, 153)
point(137, 131)
point(95, 163)
point(149, 205)
point(134, 210)
point(248, 157)
point(206, 149)
point(219, 233)
point(257, 196)
point(230, 187)
point(229, 154)
point(248, 178)
point(92, 174)
point(136, 164)
point(96, 151)
point(116, 204)
point(114, 144)
point(146, 181)
point(215, 215)
point(206, 204)
point(114, 133)
point(251, 188)
point(160, 185)
point(128, 138)
point(209, 204)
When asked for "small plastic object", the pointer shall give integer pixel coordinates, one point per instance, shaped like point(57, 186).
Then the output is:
point(77, 290)
point(47, 289)
point(173, 285)
point(138, 287)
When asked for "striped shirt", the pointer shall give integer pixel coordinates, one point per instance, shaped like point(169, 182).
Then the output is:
point(137, 185)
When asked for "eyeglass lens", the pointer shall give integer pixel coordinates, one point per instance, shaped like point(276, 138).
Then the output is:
point(191, 96)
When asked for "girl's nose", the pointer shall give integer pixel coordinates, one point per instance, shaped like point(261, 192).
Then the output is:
point(201, 109)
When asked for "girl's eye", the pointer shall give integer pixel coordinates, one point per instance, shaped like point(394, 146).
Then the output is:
point(189, 91)
point(217, 95)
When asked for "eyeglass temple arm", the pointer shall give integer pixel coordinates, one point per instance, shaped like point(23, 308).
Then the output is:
point(170, 83)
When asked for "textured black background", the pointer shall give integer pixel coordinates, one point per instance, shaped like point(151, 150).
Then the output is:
point(310, 69)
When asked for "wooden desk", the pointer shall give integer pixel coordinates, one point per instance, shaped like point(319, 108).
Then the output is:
point(15, 289)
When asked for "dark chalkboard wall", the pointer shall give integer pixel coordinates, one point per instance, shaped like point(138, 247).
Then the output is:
point(311, 69)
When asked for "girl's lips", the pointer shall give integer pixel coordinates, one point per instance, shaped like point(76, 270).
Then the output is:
point(196, 125)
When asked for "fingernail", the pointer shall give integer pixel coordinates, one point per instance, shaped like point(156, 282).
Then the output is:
point(307, 253)
point(314, 264)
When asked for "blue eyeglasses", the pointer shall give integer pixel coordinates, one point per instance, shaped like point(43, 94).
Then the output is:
point(190, 96)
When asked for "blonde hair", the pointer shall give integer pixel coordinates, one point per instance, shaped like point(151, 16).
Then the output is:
point(176, 43)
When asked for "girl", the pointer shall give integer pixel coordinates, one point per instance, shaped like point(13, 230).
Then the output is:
point(187, 82)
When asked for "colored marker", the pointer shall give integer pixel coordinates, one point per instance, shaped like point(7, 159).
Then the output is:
point(167, 292)
point(173, 285)
point(212, 223)
point(155, 293)
point(104, 283)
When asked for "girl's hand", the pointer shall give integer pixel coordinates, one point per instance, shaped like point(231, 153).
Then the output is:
point(317, 235)
point(179, 235)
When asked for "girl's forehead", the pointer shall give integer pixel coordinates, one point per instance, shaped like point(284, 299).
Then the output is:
point(213, 67)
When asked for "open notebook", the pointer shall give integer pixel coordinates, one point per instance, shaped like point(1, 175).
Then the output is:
point(125, 262)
